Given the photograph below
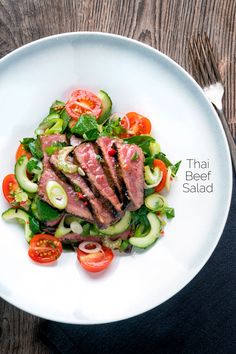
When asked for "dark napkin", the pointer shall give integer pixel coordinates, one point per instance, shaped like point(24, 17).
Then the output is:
point(200, 319)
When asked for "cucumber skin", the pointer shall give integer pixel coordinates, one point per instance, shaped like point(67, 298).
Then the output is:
point(106, 106)
point(12, 213)
point(119, 227)
point(21, 177)
point(151, 237)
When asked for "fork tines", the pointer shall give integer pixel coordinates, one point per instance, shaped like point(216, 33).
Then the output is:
point(204, 63)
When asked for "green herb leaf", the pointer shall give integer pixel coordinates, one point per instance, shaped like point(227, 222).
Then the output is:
point(140, 217)
point(66, 118)
point(44, 211)
point(25, 142)
point(35, 149)
point(91, 134)
point(161, 156)
point(34, 225)
point(170, 212)
point(149, 191)
point(32, 165)
point(124, 245)
point(149, 161)
point(113, 128)
point(135, 156)
point(86, 229)
point(175, 168)
point(99, 158)
point(50, 150)
point(143, 141)
point(57, 106)
point(85, 124)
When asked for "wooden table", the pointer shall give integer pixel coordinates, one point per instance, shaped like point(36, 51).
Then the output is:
point(165, 25)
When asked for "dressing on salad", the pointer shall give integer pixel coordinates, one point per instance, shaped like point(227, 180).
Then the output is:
point(89, 180)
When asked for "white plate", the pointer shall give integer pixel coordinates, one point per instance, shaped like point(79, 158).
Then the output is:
point(138, 78)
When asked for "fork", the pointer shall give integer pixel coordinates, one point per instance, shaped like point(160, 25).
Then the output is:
point(208, 76)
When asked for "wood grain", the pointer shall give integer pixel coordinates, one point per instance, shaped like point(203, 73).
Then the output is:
point(166, 25)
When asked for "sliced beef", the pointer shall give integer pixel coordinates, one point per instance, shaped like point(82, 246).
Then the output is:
point(102, 216)
point(87, 158)
point(131, 161)
point(75, 206)
point(106, 144)
point(72, 237)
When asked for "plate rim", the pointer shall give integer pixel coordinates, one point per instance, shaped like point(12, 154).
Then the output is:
point(217, 122)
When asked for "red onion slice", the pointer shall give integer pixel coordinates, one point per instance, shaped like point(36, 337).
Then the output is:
point(90, 247)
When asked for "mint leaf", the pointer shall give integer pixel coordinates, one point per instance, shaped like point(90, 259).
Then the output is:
point(85, 124)
point(34, 225)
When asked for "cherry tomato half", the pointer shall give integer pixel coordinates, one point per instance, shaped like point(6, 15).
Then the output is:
point(9, 186)
point(160, 164)
point(95, 262)
point(82, 101)
point(44, 248)
point(21, 152)
point(136, 124)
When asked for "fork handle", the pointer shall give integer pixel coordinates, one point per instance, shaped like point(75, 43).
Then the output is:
point(229, 136)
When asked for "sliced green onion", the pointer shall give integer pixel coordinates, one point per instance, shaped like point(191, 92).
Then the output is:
point(61, 229)
point(56, 194)
point(63, 164)
point(76, 227)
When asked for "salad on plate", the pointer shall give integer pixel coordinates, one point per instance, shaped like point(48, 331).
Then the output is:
point(91, 181)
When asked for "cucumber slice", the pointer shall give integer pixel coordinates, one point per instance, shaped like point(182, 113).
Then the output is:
point(57, 195)
point(21, 215)
point(106, 106)
point(152, 177)
point(155, 202)
point(21, 176)
point(120, 226)
point(151, 237)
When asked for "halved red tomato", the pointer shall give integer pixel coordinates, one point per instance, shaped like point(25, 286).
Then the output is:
point(82, 101)
point(135, 124)
point(9, 186)
point(95, 262)
point(44, 248)
point(160, 164)
point(21, 152)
